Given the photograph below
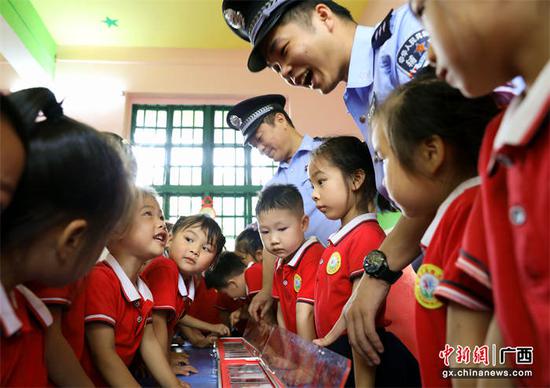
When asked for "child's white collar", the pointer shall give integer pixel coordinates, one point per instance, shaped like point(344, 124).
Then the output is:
point(336, 237)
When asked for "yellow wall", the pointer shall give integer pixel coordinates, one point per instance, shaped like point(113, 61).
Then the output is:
point(98, 85)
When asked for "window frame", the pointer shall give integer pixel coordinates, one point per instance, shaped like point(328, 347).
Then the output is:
point(207, 186)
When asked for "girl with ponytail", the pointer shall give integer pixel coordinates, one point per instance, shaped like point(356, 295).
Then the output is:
point(73, 192)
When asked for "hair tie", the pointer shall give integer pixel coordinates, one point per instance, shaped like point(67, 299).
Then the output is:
point(53, 110)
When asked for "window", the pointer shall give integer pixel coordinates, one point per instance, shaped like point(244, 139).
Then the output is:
point(189, 152)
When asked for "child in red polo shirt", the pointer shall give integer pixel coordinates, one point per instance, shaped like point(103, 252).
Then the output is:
point(282, 225)
point(51, 234)
point(475, 50)
point(248, 245)
point(342, 176)
point(119, 303)
point(430, 168)
point(230, 276)
point(195, 242)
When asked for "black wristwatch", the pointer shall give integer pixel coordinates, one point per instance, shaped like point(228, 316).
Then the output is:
point(375, 265)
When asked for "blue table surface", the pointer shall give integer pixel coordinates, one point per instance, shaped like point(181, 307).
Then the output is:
point(205, 362)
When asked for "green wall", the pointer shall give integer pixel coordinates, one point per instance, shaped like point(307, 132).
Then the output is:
point(25, 21)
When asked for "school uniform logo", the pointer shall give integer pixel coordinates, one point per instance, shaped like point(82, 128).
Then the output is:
point(412, 54)
point(334, 263)
point(297, 283)
point(427, 280)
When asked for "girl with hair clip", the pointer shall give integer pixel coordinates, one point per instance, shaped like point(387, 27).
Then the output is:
point(428, 135)
point(344, 189)
point(118, 303)
point(53, 234)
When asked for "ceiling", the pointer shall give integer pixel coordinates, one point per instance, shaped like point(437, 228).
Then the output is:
point(145, 23)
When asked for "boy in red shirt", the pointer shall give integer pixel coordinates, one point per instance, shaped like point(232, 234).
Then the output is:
point(233, 278)
point(282, 225)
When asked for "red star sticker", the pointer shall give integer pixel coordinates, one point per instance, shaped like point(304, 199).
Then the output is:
point(420, 48)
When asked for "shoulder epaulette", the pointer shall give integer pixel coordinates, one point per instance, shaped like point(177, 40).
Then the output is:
point(382, 32)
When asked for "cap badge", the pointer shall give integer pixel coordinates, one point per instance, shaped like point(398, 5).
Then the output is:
point(234, 18)
point(235, 121)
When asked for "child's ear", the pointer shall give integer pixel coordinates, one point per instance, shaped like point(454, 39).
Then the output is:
point(71, 240)
point(357, 179)
point(305, 222)
point(259, 255)
point(432, 154)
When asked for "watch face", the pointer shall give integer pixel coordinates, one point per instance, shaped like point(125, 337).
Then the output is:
point(374, 262)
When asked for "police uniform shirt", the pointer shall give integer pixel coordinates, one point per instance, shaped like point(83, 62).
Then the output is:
point(375, 71)
point(295, 172)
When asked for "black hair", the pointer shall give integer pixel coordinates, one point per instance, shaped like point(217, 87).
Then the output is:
point(8, 110)
point(270, 118)
point(427, 106)
point(169, 226)
point(71, 172)
point(213, 231)
point(349, 154)
point(301, 12)
point(280, 197)
point(228, 266)
point(249, 241)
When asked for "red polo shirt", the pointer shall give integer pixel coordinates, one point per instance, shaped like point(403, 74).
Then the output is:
point(294, 281)
point(515, 192)
point(204, 305)
point(433, 288)
point(472, 258)
point(69, 298)
point(23, 325)
point(340, 264)
point(253, 279)
point(170, 291)
point(112, 299)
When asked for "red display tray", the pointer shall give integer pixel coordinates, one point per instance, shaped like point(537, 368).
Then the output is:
point(269, 356)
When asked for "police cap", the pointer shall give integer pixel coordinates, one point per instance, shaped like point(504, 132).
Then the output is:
point(252, 20)
point(247, 115)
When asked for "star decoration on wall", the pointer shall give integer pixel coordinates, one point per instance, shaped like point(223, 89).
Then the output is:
point(111, 22)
